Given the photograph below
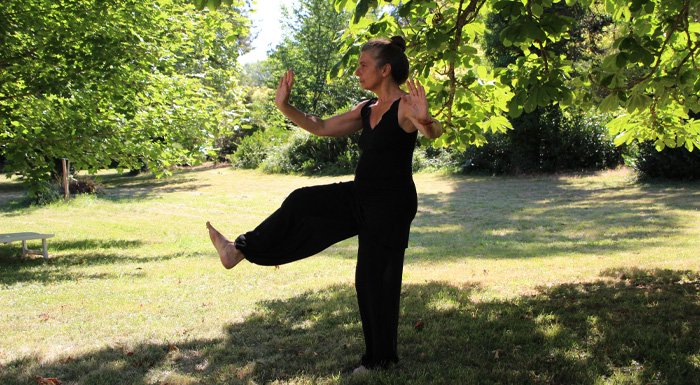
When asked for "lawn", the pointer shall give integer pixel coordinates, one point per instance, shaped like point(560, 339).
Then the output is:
point(568, 279)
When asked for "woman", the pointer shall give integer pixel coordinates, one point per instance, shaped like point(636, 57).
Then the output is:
point(378, 206)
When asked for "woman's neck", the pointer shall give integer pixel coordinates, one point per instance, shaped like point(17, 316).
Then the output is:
point(388, 92)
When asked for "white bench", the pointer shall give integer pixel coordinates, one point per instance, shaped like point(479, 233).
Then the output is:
point(24, 237)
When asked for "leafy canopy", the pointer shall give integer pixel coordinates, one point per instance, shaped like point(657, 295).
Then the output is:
point(649, 76)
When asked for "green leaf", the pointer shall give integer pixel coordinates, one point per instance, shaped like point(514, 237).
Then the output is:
point(689, 145)
point(537, 9)
point(341, 5)
point(659, 145)
point(213, 5)
point(405, 9)
point(621, 60)
point(361, 9)
point(622, 138)
point(531, 102)
point(610, 103)
point(498, 123)
point(482, 72)
point(610, 63)
point(638, 102)
point(200, 4)
point(694, 28)
point(509, 8)
point(533, 31)
point(514, 109)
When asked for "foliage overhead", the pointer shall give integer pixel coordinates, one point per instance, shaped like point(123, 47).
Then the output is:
point(649, 75)
point(126, 82)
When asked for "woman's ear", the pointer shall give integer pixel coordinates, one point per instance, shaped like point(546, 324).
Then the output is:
point(386, 70)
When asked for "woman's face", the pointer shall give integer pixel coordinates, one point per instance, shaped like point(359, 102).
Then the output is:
point(368, 73)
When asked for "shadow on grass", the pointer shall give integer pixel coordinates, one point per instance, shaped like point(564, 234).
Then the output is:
point(12, 196)
point(89, 252)
point(89, 244)
point(145, 187)
point(641, 327)
point(115, 187)
point(540, 217)
point(674, 194)
point(124, 186)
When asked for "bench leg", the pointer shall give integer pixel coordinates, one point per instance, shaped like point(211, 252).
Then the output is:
point(24, 248)
point(44, 248)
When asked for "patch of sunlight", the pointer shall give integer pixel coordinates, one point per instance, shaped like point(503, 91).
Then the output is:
point(595, 334)
point(233, 373)
point(502, 232)
point(578, 354)
point(303, 325)
point(694, 360)
point(171, 378)
point(551, 330)
point(545, 319)
point(634, 373)
point(443, 304)
point(443, 301)
point(436, 228)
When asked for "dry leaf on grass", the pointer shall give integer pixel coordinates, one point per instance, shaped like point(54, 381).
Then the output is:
point(48, 381)
point(419, 325)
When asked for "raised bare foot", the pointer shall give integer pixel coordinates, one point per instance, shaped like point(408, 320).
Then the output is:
point(228, 253)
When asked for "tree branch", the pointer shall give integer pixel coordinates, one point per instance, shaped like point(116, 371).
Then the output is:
point(464, 16)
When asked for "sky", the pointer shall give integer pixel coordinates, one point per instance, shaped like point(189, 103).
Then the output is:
point(266, 22)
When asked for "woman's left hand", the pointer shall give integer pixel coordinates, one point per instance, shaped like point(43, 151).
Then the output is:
point(416, 102)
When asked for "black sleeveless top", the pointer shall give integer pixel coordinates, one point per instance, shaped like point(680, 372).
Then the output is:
point(386, 151)
point(384, 181)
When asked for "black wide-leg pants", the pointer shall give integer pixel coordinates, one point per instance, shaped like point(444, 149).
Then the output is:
point(314, 218)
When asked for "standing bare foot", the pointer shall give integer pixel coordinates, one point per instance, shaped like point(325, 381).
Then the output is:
point(228, 253)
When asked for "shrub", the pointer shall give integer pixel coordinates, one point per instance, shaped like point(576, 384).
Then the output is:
point(83, 185)
point(228, 144)
point(670, 163)
point(44, 192)
point(252, 150)
point(308, 154)
point(546, 141)
point(426, 158)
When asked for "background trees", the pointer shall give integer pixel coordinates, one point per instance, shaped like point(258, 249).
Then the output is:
point(126, 82)
point(311, 48)
point(154, 84)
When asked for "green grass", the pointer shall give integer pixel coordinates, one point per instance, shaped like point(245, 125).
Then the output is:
point(566, 279)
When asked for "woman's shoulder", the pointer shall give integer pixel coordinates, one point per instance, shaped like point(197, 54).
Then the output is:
point(364, 106)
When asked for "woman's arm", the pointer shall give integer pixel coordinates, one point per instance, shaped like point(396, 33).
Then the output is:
point(417, 111)
point(339, 125)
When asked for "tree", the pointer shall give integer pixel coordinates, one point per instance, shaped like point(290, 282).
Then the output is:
point(311, 49)
point(130, 82)
point(650, 74)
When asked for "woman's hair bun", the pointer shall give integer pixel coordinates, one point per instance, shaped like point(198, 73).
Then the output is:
point(399, 41)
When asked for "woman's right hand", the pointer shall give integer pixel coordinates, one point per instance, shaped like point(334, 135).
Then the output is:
point(284, 89)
